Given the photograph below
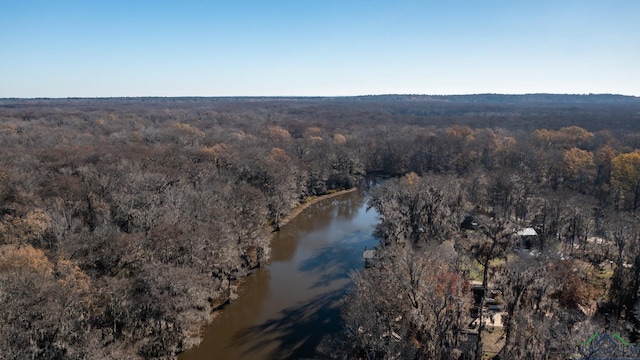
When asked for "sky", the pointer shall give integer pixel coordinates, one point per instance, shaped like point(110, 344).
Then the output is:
point(93, 48)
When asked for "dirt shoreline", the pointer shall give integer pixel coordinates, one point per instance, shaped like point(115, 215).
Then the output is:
point(300, 208)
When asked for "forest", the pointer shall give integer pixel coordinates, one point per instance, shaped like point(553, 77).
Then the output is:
point(124, 222)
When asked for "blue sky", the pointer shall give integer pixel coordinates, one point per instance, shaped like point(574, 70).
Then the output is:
point(91, 48)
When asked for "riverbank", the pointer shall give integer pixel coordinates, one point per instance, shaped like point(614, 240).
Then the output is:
point(289, 304)
point(195, 336)
point(300, 208)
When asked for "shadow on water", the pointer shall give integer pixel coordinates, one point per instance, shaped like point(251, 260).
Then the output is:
point(297, 331)
point(335, 262)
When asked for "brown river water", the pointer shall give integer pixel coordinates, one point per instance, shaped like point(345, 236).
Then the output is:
point(287, 306)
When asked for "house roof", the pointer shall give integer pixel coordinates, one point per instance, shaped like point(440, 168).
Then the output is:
point(527, 232)
point(596, 240)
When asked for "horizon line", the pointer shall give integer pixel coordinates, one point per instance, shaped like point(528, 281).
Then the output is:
point(308, 96)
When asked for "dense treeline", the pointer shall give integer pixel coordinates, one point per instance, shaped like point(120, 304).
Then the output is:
point(124, 222)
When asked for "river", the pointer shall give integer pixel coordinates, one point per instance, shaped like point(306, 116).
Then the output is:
point(287, 306)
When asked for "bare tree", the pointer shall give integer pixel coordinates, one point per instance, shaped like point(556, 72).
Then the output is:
point(412, 301)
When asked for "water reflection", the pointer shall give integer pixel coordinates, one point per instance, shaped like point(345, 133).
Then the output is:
point(286, 308)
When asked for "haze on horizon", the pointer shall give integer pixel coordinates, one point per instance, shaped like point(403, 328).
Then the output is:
point(322, 48)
